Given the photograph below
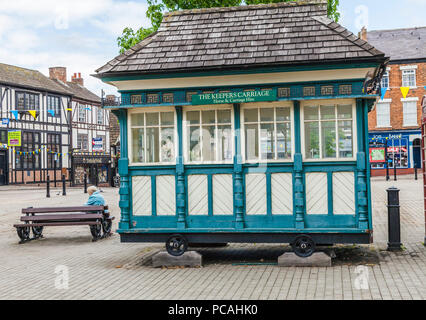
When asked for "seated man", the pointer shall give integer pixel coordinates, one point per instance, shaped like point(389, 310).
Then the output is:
point(95, 198)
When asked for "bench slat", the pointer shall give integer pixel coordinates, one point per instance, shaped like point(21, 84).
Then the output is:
point(57, 224)
point(62, 217)
point(64, 209)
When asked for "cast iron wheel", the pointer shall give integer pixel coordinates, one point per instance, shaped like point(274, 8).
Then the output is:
point(303, 246)
point(176, 245)
point(23, 233)
point(37, 231)
point(96, 231)
point(106, 227)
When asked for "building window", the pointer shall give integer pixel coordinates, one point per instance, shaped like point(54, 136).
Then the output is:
point(409, 78)
point(82, 113)
point(3, 136)
point(385, 80)
point(397, 153)
point(27, 101)
point(152, 137)
point(209, 135)
point(328, 131)
point(54, 147)
point(54, 103)
point(267, 133)
point(82, 142)
point(100, 116)
point(26, 156)
point(409, 113)
point(383, 114)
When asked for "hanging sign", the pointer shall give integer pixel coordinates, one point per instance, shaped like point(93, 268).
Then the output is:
point(234, 97)
point(97, 144)
point(377, 155)
point(5, 121)
point(14, 138)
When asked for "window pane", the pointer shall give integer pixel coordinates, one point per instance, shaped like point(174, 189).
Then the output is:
point(225, 142)
point(193, 117)
point(312, 140)
point(344, 112)
point(138, 119)
point(167, 145)
point(152, 119)
point(327, 112)
point(345, 139)
point(252, 138)
point(267, 114)
point(152, 144)
point(194, 144)
point(284, 140)
point(311, 113)
point(138, 149)
point(209, 143)
point(208, 117)
point(267, 141)
point(167, 118)
point(224, 116)
point(283, 114)
point(250, 115)
point(328, 139)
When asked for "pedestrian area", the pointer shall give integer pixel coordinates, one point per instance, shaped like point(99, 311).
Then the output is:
point(67, 265)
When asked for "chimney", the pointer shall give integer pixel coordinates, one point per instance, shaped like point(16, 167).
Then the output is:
point(58, 73)
point(363, 34)
point(76, 78)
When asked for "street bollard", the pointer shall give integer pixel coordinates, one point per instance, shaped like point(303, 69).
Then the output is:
point(85, 183)
point(48, 187)
point(394, 222)
point(415, 172)
point(64, 188)
point(394, 173)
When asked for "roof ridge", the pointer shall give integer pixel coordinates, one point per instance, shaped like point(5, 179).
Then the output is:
point(397, 29)
point(247, 7)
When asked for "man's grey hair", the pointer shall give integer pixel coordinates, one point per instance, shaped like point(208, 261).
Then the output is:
point(92, 189)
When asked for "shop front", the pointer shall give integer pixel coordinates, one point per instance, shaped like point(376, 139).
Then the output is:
point(97, 169)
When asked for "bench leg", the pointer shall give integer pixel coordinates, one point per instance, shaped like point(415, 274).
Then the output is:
point(96, 231)
point(23, 234)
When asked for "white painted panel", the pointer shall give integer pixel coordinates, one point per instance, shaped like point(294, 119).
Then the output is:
point(256, 194)
point(282, 193)
point(223, 203)
point(141, 196)
point(316, 193)
point(166, 198)
point(197, 195)
point(343, 193)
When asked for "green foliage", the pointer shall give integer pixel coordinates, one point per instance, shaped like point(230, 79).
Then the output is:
point(156, 8)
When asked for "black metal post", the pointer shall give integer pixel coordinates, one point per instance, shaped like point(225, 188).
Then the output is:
point(48, 186)
point(394, 223)
point(387, 161)
point(85, 182)
point(64, 188)
point(54, 170)
point(415, 172)
point(394, 170)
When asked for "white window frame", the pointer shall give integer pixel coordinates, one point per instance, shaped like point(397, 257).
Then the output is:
point(100, 111)
point(82, 107)
point(129, 135)
point(282, 104)
point(185, 129)
point(308, 103)
point(386, 75)
point(388, 102)
point(415, 100)
point(86, 139)
point(411, 68)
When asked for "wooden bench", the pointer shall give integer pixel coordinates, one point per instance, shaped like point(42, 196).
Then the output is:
point(35, 219)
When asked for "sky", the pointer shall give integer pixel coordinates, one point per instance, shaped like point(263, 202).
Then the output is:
point(82, 34)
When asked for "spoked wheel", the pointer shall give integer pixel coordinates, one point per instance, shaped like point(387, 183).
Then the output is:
point(303, 246)
point(176, 245)
point(37, 231)
point(23, 233)
point(106, 227)
point(96, 231)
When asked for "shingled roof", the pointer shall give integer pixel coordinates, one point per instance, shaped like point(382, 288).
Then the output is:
point(79, 91)
point(255, 35)
point(400, 44)
point(31, 79)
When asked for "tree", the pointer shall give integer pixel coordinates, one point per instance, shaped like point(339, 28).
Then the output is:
point(156, 8)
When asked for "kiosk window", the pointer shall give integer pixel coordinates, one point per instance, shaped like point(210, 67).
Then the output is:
point(267, 133)
point(152, 137)
point(328, 132)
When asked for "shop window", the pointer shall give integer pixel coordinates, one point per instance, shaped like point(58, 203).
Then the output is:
point(409, 113)
point(152, 137)
point(328, 132)
point(267, 133)
point(397, 153)
point(26, 156)
point(383, 114)
point(209, 135)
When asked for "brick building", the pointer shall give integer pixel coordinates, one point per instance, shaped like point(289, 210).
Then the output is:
point(396, 120)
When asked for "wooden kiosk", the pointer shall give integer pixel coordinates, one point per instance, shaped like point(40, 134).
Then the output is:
point(246, 124)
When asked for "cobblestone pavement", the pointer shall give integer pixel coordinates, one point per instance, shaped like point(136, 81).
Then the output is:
point(108, 269)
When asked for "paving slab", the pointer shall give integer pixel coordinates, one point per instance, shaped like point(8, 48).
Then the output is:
point(188, 259)
point(318, 259)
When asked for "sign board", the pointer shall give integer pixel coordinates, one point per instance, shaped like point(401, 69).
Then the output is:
point(377, 155)
point(234, 97)
point(5, 121)
point(14, 138)
point(97, 144)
